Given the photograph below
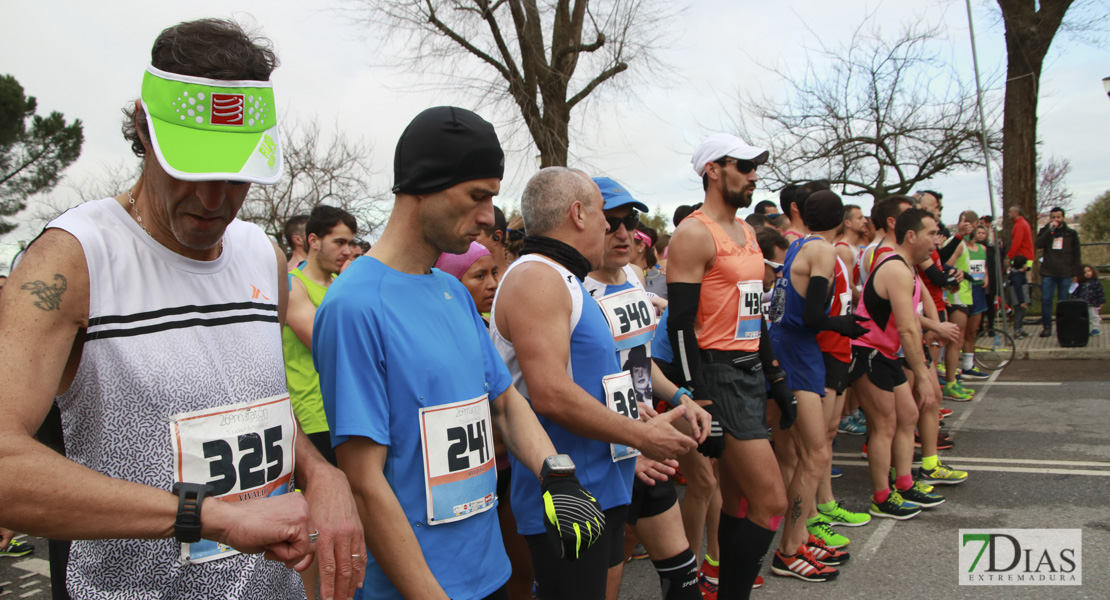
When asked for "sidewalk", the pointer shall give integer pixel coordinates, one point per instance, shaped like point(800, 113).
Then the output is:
point(1038, 348)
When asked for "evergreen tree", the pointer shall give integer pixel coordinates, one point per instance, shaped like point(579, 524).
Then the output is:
point(31, 158)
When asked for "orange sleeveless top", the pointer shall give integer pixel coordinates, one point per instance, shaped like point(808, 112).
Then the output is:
point(730, 311)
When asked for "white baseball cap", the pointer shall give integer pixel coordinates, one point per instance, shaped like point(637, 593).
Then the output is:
point(720, 145)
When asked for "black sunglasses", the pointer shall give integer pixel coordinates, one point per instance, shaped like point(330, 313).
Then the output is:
point(629, 222)
point(744, 166)
point(515, 234)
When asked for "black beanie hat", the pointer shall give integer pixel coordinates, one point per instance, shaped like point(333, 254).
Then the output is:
point(822, 211)
point(444, 146)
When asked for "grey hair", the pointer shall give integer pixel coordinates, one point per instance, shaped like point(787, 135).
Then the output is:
point(1019, 209)
point(548, 195)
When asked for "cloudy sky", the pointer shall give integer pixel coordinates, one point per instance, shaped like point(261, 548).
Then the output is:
point(86, 60)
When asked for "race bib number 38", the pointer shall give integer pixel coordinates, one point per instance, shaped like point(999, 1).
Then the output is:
point(244, 451)
point(620, 395)
point(460, 480)
point(749, 314)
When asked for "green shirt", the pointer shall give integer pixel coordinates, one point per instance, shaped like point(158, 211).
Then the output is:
point(963, 296)
point(300, 373)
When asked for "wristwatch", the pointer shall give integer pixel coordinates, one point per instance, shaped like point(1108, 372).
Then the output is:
point(557, 465)
point(190, 496)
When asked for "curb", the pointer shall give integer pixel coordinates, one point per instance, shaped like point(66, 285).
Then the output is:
point(1063, 354)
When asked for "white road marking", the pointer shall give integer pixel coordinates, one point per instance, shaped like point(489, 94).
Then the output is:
point(1017, 383)
point(1000, 469)
point(971, 405)
point(1014, 461)
point(876, 539)
point(39, 566)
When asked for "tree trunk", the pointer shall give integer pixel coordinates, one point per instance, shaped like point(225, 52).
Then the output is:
point(1030, 28)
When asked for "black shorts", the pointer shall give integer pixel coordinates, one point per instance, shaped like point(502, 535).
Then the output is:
point(836, 373)
point(741, 395)
point(885, 373)
point(585, 578)
point(650, 500)
point(322, 441)
point(964, 309)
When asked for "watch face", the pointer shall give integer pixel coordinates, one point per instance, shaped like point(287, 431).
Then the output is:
point(560, 462)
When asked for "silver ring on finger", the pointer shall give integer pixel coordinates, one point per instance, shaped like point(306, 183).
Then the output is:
point(313, 536)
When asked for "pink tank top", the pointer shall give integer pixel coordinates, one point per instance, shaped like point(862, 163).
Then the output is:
point(884, 331)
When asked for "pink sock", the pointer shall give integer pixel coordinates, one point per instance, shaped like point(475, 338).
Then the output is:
point(775, 522)
point(881, 496)
point(904, 482)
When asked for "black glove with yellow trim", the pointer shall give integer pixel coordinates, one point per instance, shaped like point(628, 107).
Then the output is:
point(572, 516)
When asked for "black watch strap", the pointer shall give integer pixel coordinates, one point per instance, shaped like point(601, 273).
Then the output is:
point(190, 496)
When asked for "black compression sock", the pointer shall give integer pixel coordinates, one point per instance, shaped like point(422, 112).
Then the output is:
point(743, 546)
point(678, 576)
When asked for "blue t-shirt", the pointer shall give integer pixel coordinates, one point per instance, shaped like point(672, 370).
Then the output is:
point(661, 343)
point(387, 344)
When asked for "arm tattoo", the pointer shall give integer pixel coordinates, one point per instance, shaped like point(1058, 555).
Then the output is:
point(796, 510)
point(49, 296)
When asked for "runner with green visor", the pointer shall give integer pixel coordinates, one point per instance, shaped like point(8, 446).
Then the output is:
point(209, 129)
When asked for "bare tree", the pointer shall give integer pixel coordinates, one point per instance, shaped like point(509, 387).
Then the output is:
point(1031, 25)
point(317, 171)
point(544, 58)
point(875, 116)
point(1052, 188)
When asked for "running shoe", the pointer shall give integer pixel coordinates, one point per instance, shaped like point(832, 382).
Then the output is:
point(852, 426)
point(829, 556)
point(1095, 332)
point(954, 391)
point(942, 475)
point(755, 586)
point(708, 580)
point(943, 441)
point(16, 549)
point(841, 516)
point(975, 373)
point(803, 566)
point(835, 473)
point(920, 496)
point(944, 412)
point(863, 450)
point(895, 507)
point(678, 478)
point(821, 528)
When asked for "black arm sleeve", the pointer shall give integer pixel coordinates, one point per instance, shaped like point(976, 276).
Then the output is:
point(936, 276)
point(771, 371)
point(814, 313)
point(683, 301)
point(950, 248)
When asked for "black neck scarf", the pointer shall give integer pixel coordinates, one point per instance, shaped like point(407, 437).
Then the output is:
point(562, 253)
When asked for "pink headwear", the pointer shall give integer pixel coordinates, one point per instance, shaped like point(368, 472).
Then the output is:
point(457, 264)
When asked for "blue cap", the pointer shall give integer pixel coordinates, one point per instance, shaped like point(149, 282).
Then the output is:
point(615, 195)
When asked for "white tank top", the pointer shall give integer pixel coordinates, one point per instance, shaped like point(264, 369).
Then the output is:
point(166, 334)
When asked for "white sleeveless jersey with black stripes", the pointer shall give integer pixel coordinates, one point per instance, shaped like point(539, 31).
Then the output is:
point(166, 334)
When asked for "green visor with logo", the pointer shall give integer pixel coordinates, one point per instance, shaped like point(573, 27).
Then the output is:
point(210, 129)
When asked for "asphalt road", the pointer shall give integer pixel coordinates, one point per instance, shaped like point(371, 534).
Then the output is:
point(1037, 443)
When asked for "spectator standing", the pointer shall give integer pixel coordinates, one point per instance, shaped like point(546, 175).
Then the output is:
point(1021, 239)
point(1090, 289)
point(1018, 283)
point(1059, 263)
